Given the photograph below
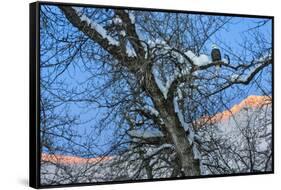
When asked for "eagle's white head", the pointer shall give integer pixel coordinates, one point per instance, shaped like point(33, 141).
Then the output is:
point(214, 46)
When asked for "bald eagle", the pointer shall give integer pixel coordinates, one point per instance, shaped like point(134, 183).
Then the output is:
point(216, 54)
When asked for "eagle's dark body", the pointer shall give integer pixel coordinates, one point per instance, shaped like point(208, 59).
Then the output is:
point(216, 54)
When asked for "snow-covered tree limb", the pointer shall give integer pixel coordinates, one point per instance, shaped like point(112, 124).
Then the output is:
point(95, 31)
point(244, 79)
point(128, 21)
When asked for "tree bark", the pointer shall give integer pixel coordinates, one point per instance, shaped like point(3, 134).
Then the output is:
point(176, 132)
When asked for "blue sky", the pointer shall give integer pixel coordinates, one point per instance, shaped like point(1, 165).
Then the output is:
point(232, 35)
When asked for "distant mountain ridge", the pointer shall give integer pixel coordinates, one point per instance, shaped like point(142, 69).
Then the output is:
point(252, 101)
point(63, 159)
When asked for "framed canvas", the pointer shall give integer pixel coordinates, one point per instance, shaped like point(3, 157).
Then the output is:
point(122, 94)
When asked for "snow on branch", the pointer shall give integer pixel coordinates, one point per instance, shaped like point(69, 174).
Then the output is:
point(151, 110)
point(146, 134)
point(95, 31)
point(258, 66)
point(97, 27)
point(117, 21)
point(128, 19)
point(253, 70)
point(132, 17)
point(164, 88)
point(187, 60)
point(130, 50)
point(155, 151)
point(198, 60)
point(244, 78)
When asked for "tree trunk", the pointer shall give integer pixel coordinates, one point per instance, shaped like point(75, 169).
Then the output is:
point(175, 130)
point(190, 165)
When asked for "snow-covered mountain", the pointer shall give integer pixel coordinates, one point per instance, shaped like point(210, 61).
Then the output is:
point(240, 139)
point(237, 140)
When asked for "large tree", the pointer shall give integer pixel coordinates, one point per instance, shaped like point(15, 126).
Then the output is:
point(151, 76)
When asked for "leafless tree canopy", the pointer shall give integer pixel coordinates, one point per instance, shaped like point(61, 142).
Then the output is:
point(131, 87)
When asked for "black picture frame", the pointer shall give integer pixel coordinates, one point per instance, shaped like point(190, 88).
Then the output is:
point(34, 93)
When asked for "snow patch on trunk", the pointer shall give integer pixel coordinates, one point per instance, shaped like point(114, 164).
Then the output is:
point(132, 17)
point(188, 129)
